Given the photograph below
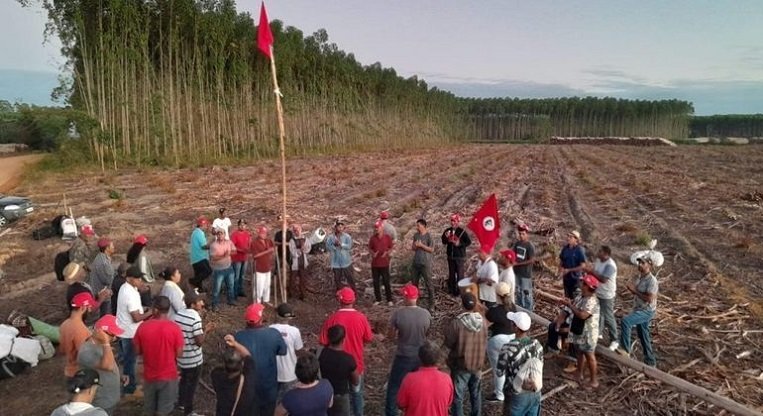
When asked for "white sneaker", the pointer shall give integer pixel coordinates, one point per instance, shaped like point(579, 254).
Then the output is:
point(390, 303)
point(376, 303)
point(613, 346)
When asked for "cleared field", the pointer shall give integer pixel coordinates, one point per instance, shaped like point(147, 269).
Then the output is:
point(698, 202)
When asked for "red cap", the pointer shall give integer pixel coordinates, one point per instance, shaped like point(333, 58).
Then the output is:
point(108, 323)
point(378, 224)
point(88, 230)
point(510, 254)
point(84, 299)
point(455, 217)
point(523, 227)
point(591, 281)
point(202, 220)
point(254, 313)
point(103, 242)
point(410, 291)
point(346, 295)
point(140, 239)
point(384, 215)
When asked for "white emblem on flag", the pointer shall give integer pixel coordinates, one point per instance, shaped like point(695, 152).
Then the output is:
point(488, 223)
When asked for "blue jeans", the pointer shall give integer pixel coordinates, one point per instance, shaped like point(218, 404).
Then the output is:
point(523, 404)
point(524, 295)
point(356, 397)
point(462, 380)
point(127, 355)
point(239, 270)
point(226, 275)
point(400, 368)
point(639, 319)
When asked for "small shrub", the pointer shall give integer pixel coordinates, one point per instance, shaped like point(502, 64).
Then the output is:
point(116, 194)
point(643, 238)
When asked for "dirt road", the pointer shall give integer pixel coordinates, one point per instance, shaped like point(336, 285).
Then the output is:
point(12, 168)
point(697, 202)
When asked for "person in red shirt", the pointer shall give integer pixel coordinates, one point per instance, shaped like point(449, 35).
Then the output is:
point(358, 333)
point(160, 341)
point(426, 391)
point(380, 246)
point(262, 253)
point(242, 239)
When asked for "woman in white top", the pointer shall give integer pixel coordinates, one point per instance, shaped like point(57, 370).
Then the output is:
point(137, 256)
point(171, 289)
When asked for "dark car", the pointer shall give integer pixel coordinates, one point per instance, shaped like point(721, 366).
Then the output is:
point(13, 208)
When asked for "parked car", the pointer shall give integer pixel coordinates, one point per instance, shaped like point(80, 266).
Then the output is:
point(13, 208)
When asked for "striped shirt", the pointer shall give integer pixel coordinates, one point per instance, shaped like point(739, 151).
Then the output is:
point(190, 323)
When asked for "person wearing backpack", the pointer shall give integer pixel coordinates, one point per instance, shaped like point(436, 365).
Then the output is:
point(521, 361)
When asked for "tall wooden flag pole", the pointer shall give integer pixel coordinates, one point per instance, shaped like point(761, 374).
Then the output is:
point(265, 44)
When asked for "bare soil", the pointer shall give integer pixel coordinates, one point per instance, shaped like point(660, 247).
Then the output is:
point(12, 168)
point(694, 200)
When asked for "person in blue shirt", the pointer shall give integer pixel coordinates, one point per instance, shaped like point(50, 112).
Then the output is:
point(199, 253)
point(571, 261)
point(339, 246)
point(264, 344)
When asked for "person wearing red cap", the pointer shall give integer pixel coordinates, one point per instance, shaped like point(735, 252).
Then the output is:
point(102, 275)
point(409, 325)
point(96, 354)
point(264, 344)
point(262, 255)
point(523, 267)
point(358, 333)
point(137, 255)
point(74, 332)
point(380, 245)
point(199, 253)
point(585, 329)
point(506, 262)
point(456, 240)
point(389, 229)
point(82, 251)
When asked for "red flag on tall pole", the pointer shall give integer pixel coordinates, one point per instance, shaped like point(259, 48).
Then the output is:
point(264, 35)
point(486, 225)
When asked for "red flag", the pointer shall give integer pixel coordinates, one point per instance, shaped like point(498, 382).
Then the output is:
point(486, 225)
point(264, 35)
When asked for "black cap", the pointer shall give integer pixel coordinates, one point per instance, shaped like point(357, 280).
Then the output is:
point(83, 380)
point(134, 271)
point(645, 259)
point(285, 311)
point(469, 301)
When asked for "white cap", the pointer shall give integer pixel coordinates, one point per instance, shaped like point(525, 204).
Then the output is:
point(520, 319)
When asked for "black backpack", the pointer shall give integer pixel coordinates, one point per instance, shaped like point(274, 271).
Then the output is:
point(59, 264)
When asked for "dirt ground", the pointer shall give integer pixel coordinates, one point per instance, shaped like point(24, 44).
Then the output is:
point(702, 204)
point(11, 168)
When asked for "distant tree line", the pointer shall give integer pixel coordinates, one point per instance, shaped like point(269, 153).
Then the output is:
point(181, 82)
point(731, 125)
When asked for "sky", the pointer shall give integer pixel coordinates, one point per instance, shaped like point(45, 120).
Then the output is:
point(707, 52)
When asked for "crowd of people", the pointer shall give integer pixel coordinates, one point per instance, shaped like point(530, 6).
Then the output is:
point(268, 369)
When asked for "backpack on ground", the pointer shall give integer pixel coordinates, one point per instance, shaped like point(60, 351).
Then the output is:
point(59, 264)
point(44, 232)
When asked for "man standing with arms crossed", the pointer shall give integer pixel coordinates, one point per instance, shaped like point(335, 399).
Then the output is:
point(456, 240)
point(409, 325)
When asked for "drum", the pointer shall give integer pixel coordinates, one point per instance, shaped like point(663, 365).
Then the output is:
point(465, 285)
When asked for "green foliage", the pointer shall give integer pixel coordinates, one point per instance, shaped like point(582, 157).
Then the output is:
point(116, 194)
point(643, 238)
point(41, 128)
point(729, 125)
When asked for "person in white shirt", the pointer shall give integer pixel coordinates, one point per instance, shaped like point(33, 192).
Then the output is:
point(222, 222)
point(487, 278)
point(293, 339)
point(506, 260)
point(172, 291)
point(129, 316)
point(604, 269)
